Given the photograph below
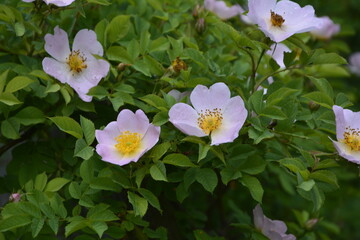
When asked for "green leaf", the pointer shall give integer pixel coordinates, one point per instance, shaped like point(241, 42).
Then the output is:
point(158, 171)
point(259, 136)
point(326, 58)
point(150, 197)
point(19, 29)
point(307, 185)
point(30, 115)
point(256, 101)
point(295, 165)
point(13, 222)
point(119, 54)
point(3, 78)
point(82, 150)
point(10, 128)
point(18, 83)
point(325, 176)
point(179, 160)
point(100, 2)
point(87, 171)
point(98, 227)
point(228, 174)
point(160, 118)
point(75, 224)
point(75, 190)
point(36, 226)
point(320, 98)
point(273, 112)
point(323, 85)
point(104, 183)
point(155, 101)
point(88, 128)
point(68, 125)
point(56, 184)
point(254, 186)
point(40, 181)
point(9, 99)
point(279, 95)
point(118, 28)
point(159, 150)
point(140, 205)
point(207, 178)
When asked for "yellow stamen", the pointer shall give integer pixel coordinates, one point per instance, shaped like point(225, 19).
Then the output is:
point(128, 142)
point(352, 138)
point(209, 121)
point(276, 19)
point(76, 62)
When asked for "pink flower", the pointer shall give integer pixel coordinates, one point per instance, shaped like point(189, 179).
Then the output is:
point(278, 54)
point(178, 95)
point(221, 9)
point(280, 20)
point(15, 197)
point(273, 229)
point(59, 3)
point(126, 139)
point(327, 29)
point(78, 68)
point(213, 114)
point(354, 63)
point(347, 134)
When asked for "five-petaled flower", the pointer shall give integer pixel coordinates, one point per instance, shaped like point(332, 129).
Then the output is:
point(280, 20)
point(347, 134)
point(126, 139)
point(273, 229)
point(78, 68)
point(326, 29)
point(222, 10)
point(59, 3)
point(215, 114)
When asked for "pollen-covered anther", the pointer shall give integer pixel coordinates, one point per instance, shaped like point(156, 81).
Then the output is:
point(76, 62)
point(352, 138)
point(209, 120)
point(128, 142)
point(276, 19)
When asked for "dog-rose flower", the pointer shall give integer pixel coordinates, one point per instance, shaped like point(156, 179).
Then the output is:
point(327, 29)
point(277, 53)
point(354, 63)
point(126, 139)
point(347, 134)
point(59, 3)
point(78, 68)
point(221, 9)
point(273, 229)
point(214, 113)
point(280, 20)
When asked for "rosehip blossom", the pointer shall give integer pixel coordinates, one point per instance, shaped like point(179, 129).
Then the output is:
point(126, 139)
point(278, 54)
point(213, 114)
point(78, 68)
point(273, 229)
point(327, 29)
point(354, 63)
point(347, 134)
point(280, 20)
point(15, 197)
point(59, 3)
point(221, 9)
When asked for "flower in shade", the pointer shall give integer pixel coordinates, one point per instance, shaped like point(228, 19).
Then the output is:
point(273, 229)
point(59, 3)
point(347, 134)
point(214, 113)
point(126, 139)
point(280, 20)
point(178, 95)
point(78, 68)
point(326, 29)
point(15, 197)
point(221, 9)
point(278, 53)
point(354, 63)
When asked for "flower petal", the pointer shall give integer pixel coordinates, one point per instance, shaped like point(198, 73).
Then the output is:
point(210, 98)
point(133, 122)
point(56, 69)
point(108, 134)
point(185, 119)
point(278, 54)
point(346, 152)
point(234, 116)
point(85, 40)
point(260, 10)
point(57, 45)
point(110, 154)
point(151, 137)
point(258, 217)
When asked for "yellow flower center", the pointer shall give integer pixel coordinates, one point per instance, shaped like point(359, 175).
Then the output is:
point(276, 19)
point(209, 121)
point(76, 62)
point(128, 142)
point(352, 138)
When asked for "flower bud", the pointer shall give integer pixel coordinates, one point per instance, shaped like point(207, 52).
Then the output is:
point(311, 223)
point(200, 25)
point(177, 65)
point(313, 106)
point(15, 197)
point(122, 66)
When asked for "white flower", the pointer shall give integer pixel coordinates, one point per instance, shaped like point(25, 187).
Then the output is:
point(215, 114)
point(347, 134)
point(59, 3)
point(278, 54)
point(354, 63)
point(126, 139)
point(327, 29)
point(280, 20)
point(221, 9)
point(78, 68)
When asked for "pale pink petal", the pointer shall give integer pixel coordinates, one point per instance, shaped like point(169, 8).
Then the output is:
point(354, 63)
point(185, 119)
point(57, 45)
point(234, 116)
point(278, 54)
point(28, 0)
point(59, 3)
point(129, 121)
point(346, 152)
point(258, 217)
point(216, 96)
point(288, 237)
point(151, 137)
point(260, 9)
point(178, 95)
point(110, 154)
point(222, 10)
point(85, 40)
point(56, 69)
point(341, 124)
point(326, 29)
point(108, 134)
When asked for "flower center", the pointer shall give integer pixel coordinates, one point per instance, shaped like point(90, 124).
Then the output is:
point(276, 19)
point(352, 138)
point(128, 142)
point(76, 62)
point(209, 121)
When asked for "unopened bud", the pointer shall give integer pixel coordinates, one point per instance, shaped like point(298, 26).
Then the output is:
point(177, 65)
point(313, 106)
point(200, 25)
point(311, 223)
point(122, 66)
point(15, 197)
